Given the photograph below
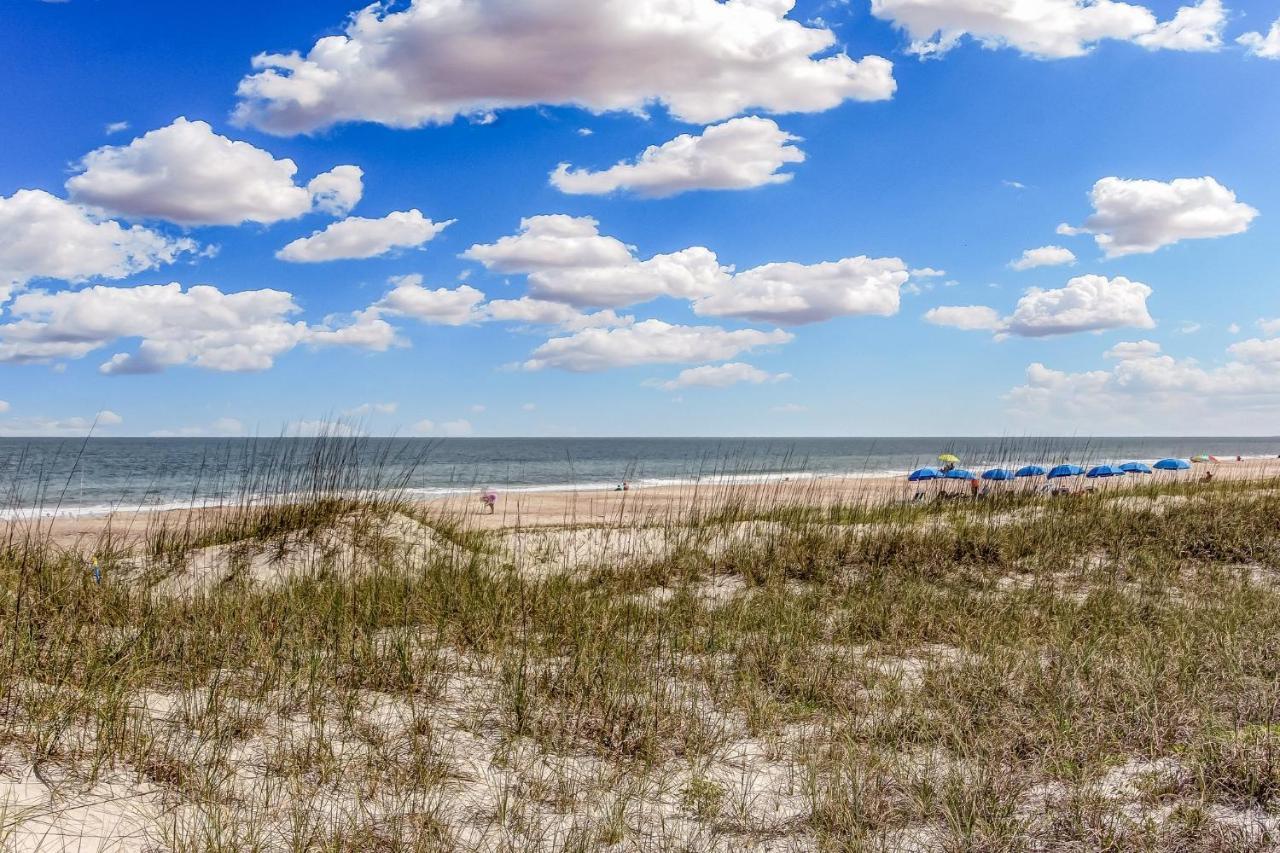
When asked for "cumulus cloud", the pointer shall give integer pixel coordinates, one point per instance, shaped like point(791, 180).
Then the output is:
point(431, 62)
point(1146, 386)
point(970, 318)
point(794, 294)
point(1045, 256)
point(186, 173)
point(927, 272)
point(449, 429)
point(1264, 46)
point(46, 426)
point(740, 154)
point(371, 409)
point(1126, 350)
point(358, 238)
point(442, 306)
point(567, 259)
point(1049, 29)
point(220, 427)
point(200, 326)
point(1088, 303)
point(648, 342)
point(1141, 216)
point(42, 236)
point(539, 312)
point(1269, 326)
point(4, 407)
point(721, 376)
point(1193, 28)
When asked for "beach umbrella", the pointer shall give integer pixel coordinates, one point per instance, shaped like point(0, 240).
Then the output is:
point(1065, 471)
point(1172, 465)
point(1201, 458)
point(997, 474)
point(923, 474)
point(1135, 468)
point(959, 474)
point(1104, 471)
point(1030, 471)
point(949, 457)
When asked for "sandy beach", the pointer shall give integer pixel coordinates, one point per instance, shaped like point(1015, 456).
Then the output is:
point(636, 506)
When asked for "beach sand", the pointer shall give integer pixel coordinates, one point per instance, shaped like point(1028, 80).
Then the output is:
point(637, 506)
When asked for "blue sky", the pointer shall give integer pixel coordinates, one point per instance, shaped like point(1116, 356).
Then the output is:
point(965, 140)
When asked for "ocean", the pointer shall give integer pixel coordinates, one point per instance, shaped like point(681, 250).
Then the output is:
point(51, 477)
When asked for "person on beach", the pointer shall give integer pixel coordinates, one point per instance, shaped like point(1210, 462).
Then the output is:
point(974, 486)
point(489, 498)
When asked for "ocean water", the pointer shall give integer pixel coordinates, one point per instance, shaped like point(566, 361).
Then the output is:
point(49, 477)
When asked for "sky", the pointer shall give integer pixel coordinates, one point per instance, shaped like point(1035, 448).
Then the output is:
point(640, 217)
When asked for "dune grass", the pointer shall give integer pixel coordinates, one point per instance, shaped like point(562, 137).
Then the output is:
point(1092, 673)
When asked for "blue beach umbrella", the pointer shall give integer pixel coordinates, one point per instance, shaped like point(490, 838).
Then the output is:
point(923, 474)
point(959, 474)
point(1104, 471)
point(1065, 471)
point(1135, 468)
point(1030, 471)
point(997, 474)
point(1173, 465)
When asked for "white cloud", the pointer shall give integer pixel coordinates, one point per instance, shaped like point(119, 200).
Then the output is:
point(371, 409)
point(721, 376)
point(792, 294)
point(789, 409)
point(116, 127)
point(186, 173)
point(540, 312)
point(449, 429)
point(648, 342)
point(1233, 329)
point(1088, 303)
point(567, 260)
point(585, 131)
point(431, 62)
point(357, 238)
point(1014, 185)
point(927, 272)
point(740, 154)
point(326, 428)
point(1126, 350)
point(1266, 47)
point(4, 407)
point(1146, 388)
point(444, 306)
point(1045, 256)
point(1139, 216)
point(1189, 328)
point(1048, 29)
point(220, 427)
point(338, 190)
point(967, 317)
point(42, 236)
point(529, 407)
point(201, 326)
point(1269, 327)
point(103, 421)
point(1193, 28)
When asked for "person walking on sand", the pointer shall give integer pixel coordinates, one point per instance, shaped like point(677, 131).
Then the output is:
point(489, 498)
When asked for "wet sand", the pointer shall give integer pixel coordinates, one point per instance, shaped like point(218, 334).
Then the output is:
point(635, 506)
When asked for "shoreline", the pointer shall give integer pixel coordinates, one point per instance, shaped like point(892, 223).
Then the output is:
point(579, 507)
